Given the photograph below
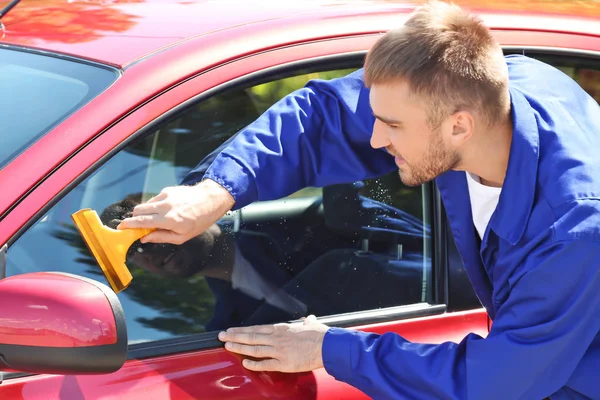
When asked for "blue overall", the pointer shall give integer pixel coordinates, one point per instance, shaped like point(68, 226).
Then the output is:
point(536, 271)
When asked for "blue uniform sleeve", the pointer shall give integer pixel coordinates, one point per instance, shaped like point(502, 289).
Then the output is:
point(316, 136)
point(538, 338)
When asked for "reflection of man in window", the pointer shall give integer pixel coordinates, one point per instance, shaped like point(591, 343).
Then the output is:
point(240, 288)
point(265, 272)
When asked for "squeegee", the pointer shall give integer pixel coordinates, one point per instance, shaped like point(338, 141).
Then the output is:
point(108, 246)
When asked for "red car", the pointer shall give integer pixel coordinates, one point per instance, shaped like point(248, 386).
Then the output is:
point(104, 103)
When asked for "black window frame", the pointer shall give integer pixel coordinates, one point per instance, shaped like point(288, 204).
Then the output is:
point(207, 340)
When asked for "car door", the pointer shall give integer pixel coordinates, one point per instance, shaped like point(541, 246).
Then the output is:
point(367, 255)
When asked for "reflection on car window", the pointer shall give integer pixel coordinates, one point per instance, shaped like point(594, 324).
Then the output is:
point(43, 90)
point(339, 249)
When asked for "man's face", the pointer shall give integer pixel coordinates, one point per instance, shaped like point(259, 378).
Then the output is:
point(401, 127)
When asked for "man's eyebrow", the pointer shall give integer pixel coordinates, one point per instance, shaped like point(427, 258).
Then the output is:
point(387, 121)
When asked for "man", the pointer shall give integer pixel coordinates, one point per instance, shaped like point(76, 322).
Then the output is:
point(512, 145)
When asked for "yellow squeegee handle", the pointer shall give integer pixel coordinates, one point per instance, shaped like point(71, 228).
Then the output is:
point(109, 246)
point(126, 236)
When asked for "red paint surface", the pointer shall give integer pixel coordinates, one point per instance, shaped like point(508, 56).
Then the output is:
point(45, 309)
point(217, 374)
point(120, 31)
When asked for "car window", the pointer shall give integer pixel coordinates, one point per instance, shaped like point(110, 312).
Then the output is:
point(333, 250)
point(586, 72)
point(44, 90)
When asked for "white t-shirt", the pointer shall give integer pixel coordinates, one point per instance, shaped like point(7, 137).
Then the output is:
point(484, 200)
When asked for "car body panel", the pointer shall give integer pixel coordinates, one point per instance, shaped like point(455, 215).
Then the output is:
point(120, 32)
point(217, 374)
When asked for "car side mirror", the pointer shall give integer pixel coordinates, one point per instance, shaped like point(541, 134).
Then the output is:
point(58, 323)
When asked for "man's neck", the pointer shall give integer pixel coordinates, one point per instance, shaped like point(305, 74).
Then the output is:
point(487, 155)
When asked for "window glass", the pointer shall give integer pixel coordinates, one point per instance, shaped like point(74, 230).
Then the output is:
point(342, 248)
point(43, 91)
point(586, 76)
point(584, 71)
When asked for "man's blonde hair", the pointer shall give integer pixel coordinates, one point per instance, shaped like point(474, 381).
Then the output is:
point(450, 61)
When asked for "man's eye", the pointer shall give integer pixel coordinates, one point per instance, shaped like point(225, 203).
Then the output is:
point(394, 127)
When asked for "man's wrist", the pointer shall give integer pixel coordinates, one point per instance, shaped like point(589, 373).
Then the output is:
point(217, 194)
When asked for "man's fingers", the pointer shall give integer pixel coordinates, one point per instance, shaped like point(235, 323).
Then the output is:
point(262, 365)
point(264, 329)
point(159, 197)
point(252, 351)
point(310, 319)
point(149, 208)
point(246, 338)
point(143, 221)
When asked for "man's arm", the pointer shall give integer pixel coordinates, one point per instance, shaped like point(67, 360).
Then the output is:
point(316, 136)
point(538, 338)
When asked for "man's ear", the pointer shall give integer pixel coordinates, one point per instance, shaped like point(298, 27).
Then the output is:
point(463, 126)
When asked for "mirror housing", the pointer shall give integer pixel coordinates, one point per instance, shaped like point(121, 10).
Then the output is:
point(58, 323)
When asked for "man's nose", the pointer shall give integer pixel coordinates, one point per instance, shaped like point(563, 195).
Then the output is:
point(379, 137)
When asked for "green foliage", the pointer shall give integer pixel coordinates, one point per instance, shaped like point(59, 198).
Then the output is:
point(269, 93)
point(185, 304)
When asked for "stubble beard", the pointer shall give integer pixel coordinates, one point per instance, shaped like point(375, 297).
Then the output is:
point(436, 161)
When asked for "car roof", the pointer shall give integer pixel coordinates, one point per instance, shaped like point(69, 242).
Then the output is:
point(119, 32)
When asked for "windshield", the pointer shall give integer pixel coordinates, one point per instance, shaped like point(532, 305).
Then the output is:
point(38, 92)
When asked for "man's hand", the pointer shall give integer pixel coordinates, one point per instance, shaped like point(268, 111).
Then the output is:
point(180, 212)
point(283, 347)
